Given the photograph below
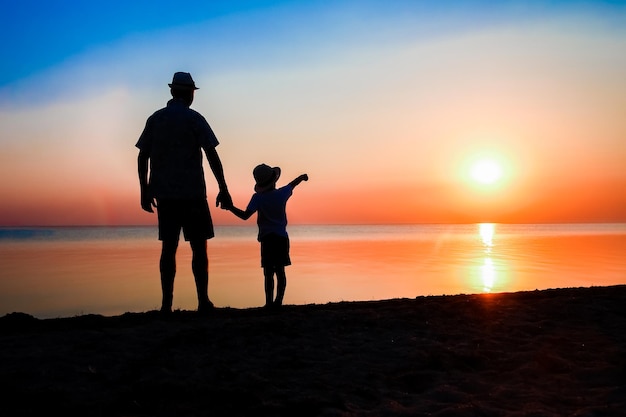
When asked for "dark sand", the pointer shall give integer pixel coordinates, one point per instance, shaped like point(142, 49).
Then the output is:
point(541, 353)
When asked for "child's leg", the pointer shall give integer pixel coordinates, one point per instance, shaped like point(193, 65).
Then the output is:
point(281, 279)
point(268, 273)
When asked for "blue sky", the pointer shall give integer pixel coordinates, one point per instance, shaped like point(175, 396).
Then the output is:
point(38, 35)
point(44, 33)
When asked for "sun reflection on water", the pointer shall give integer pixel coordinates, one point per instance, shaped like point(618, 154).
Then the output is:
point(486, 232)
point(488, 275)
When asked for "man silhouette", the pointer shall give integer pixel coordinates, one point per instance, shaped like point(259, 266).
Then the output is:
point(170, 147)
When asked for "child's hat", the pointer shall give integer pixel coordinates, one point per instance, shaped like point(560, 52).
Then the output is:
point(265, 177)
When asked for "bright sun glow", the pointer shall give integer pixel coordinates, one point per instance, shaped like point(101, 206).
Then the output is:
point(486, 171)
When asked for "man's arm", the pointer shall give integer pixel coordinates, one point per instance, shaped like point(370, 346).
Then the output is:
point(215, 163)
point(303, 177)
point(147, 201)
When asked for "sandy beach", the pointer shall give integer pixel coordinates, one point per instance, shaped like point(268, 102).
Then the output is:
point(542, 353)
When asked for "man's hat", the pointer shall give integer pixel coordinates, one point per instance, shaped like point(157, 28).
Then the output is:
point(265, 177)
point(183, 80)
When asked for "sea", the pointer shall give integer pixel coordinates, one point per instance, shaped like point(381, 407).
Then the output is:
point(50, 272)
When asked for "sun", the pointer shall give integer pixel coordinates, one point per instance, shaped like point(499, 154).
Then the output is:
point(486, 171)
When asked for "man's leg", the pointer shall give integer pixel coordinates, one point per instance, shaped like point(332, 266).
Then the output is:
point(268, 273)
point(167, 266)
point(281, 281)
point(200, 268)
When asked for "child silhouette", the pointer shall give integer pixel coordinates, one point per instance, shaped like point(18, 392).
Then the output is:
point(270, 205)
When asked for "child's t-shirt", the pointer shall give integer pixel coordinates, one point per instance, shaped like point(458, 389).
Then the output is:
point(271, 211)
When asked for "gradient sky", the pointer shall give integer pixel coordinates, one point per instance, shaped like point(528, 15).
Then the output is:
point(385, 104)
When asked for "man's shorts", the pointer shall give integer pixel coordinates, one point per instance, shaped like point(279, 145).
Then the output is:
point(192, 216)
point(274, 251)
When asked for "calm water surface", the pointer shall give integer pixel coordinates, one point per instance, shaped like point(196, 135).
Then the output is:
point(52, 272)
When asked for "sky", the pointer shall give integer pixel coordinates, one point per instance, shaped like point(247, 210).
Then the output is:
point(388, 106)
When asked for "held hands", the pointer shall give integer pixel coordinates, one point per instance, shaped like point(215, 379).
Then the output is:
point(224, 198)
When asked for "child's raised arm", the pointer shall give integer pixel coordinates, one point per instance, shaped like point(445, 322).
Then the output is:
point(303, 177)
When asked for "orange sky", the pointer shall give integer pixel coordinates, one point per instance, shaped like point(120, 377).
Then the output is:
point(386, 124)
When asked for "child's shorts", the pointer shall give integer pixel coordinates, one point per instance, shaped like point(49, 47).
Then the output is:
point(274, 251)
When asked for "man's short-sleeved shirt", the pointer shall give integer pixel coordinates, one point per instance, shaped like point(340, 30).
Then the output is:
point(272, 210)
point(173, 140)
